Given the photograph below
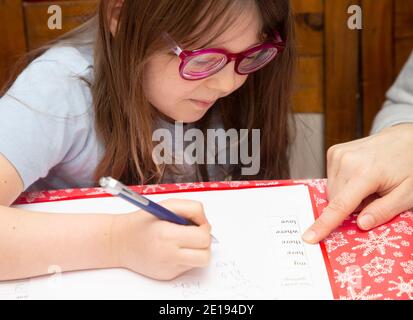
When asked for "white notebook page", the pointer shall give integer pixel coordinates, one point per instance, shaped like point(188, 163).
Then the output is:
point(260, 254)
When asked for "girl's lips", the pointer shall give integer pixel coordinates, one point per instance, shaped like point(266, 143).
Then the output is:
point(203, 104)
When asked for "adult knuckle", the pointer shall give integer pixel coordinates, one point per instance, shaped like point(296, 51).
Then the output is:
point(338, 205)
point(331, 152)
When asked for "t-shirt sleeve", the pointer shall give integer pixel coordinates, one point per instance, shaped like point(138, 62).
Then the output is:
point(40, 119)
point(398, 107)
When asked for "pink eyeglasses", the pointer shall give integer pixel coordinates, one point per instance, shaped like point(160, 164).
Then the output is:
point(203, 63)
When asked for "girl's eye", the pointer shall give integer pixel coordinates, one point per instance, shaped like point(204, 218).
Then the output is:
point(205, 62)
point(256, 56)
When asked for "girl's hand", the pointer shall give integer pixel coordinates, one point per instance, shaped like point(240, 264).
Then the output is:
point(382, 164)
point(160, 249)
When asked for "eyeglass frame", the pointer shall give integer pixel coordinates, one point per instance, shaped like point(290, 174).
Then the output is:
point(277, 43)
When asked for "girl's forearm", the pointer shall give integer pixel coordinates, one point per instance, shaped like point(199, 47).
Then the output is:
point(32, 242)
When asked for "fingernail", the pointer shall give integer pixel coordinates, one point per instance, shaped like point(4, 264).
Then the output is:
point(367, 221)
point(309, 236)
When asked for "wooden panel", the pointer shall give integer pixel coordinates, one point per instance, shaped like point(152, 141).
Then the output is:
point(12, 42)
point(307, 6)
point(74, 13)
point(309, 96)
point(404, 21)
point(403, 32)
point(342, 75)
point(309, 90)
point(378, 56)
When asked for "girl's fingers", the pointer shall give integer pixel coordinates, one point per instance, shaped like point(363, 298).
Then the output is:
point(341, 206)
point(194, 237)
point(189, 209)
point(196, 258)
point(386, 208)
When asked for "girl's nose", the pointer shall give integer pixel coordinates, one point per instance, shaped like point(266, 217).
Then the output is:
point(225, 80)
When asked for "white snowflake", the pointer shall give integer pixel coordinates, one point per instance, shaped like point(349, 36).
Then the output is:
point(379, 266)
point(320, 185)
point(407, 266)
point(351, 232)
point(236, 184)
point(362, 295)
point(186, 186)
point(335, 240)
point(403, 227)
point(377, 242)
point(381, 228)
point(153, 188)
point(398, 254)
point(379, 279)
point(319, 201)
point(407, 214)
point(346, 258)
point(405, 243)
point(403, 287)
point(350, 277)
point(32, 196)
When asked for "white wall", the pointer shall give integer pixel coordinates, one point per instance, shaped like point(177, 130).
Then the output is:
point(307, 158)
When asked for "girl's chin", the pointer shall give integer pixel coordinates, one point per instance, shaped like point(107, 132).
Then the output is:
point(191, 113)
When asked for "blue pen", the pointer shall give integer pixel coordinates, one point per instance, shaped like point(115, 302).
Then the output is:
point(116, 188)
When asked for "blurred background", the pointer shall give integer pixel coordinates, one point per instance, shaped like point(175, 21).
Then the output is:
point(343, 74)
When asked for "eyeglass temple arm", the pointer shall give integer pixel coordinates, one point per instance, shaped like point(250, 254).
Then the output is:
point(174, 46)
point(278, 37)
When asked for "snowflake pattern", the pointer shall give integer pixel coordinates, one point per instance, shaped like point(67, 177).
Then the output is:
point(351, 232)
point(320, 185)
point(320, 201)
point(237, 184)
point(408, 214)
point(35, 195)
point(153, 188)
point(334, 241)
point(402, 287)
point(377, 242)
point(379, 279)
point(379, 266)
point(407, 266)
point(361, 295)
point(186, 186)
point(403, 227)
point(346, 258)
point(405, 243)
point(351, 277)
point(398, 254)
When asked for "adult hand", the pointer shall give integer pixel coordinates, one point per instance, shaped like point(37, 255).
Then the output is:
point(382, 164)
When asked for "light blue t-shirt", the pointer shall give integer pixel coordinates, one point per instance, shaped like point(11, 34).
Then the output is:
point(47, 125)
point(46, 122)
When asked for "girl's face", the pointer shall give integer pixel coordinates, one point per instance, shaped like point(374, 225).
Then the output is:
point(188, 101)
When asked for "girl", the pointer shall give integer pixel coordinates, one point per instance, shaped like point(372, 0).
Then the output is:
point(87, 105)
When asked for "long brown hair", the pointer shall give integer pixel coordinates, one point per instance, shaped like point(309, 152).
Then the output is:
point(125, 120)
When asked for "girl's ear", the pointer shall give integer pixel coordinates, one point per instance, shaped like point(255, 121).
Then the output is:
point(114, 8)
